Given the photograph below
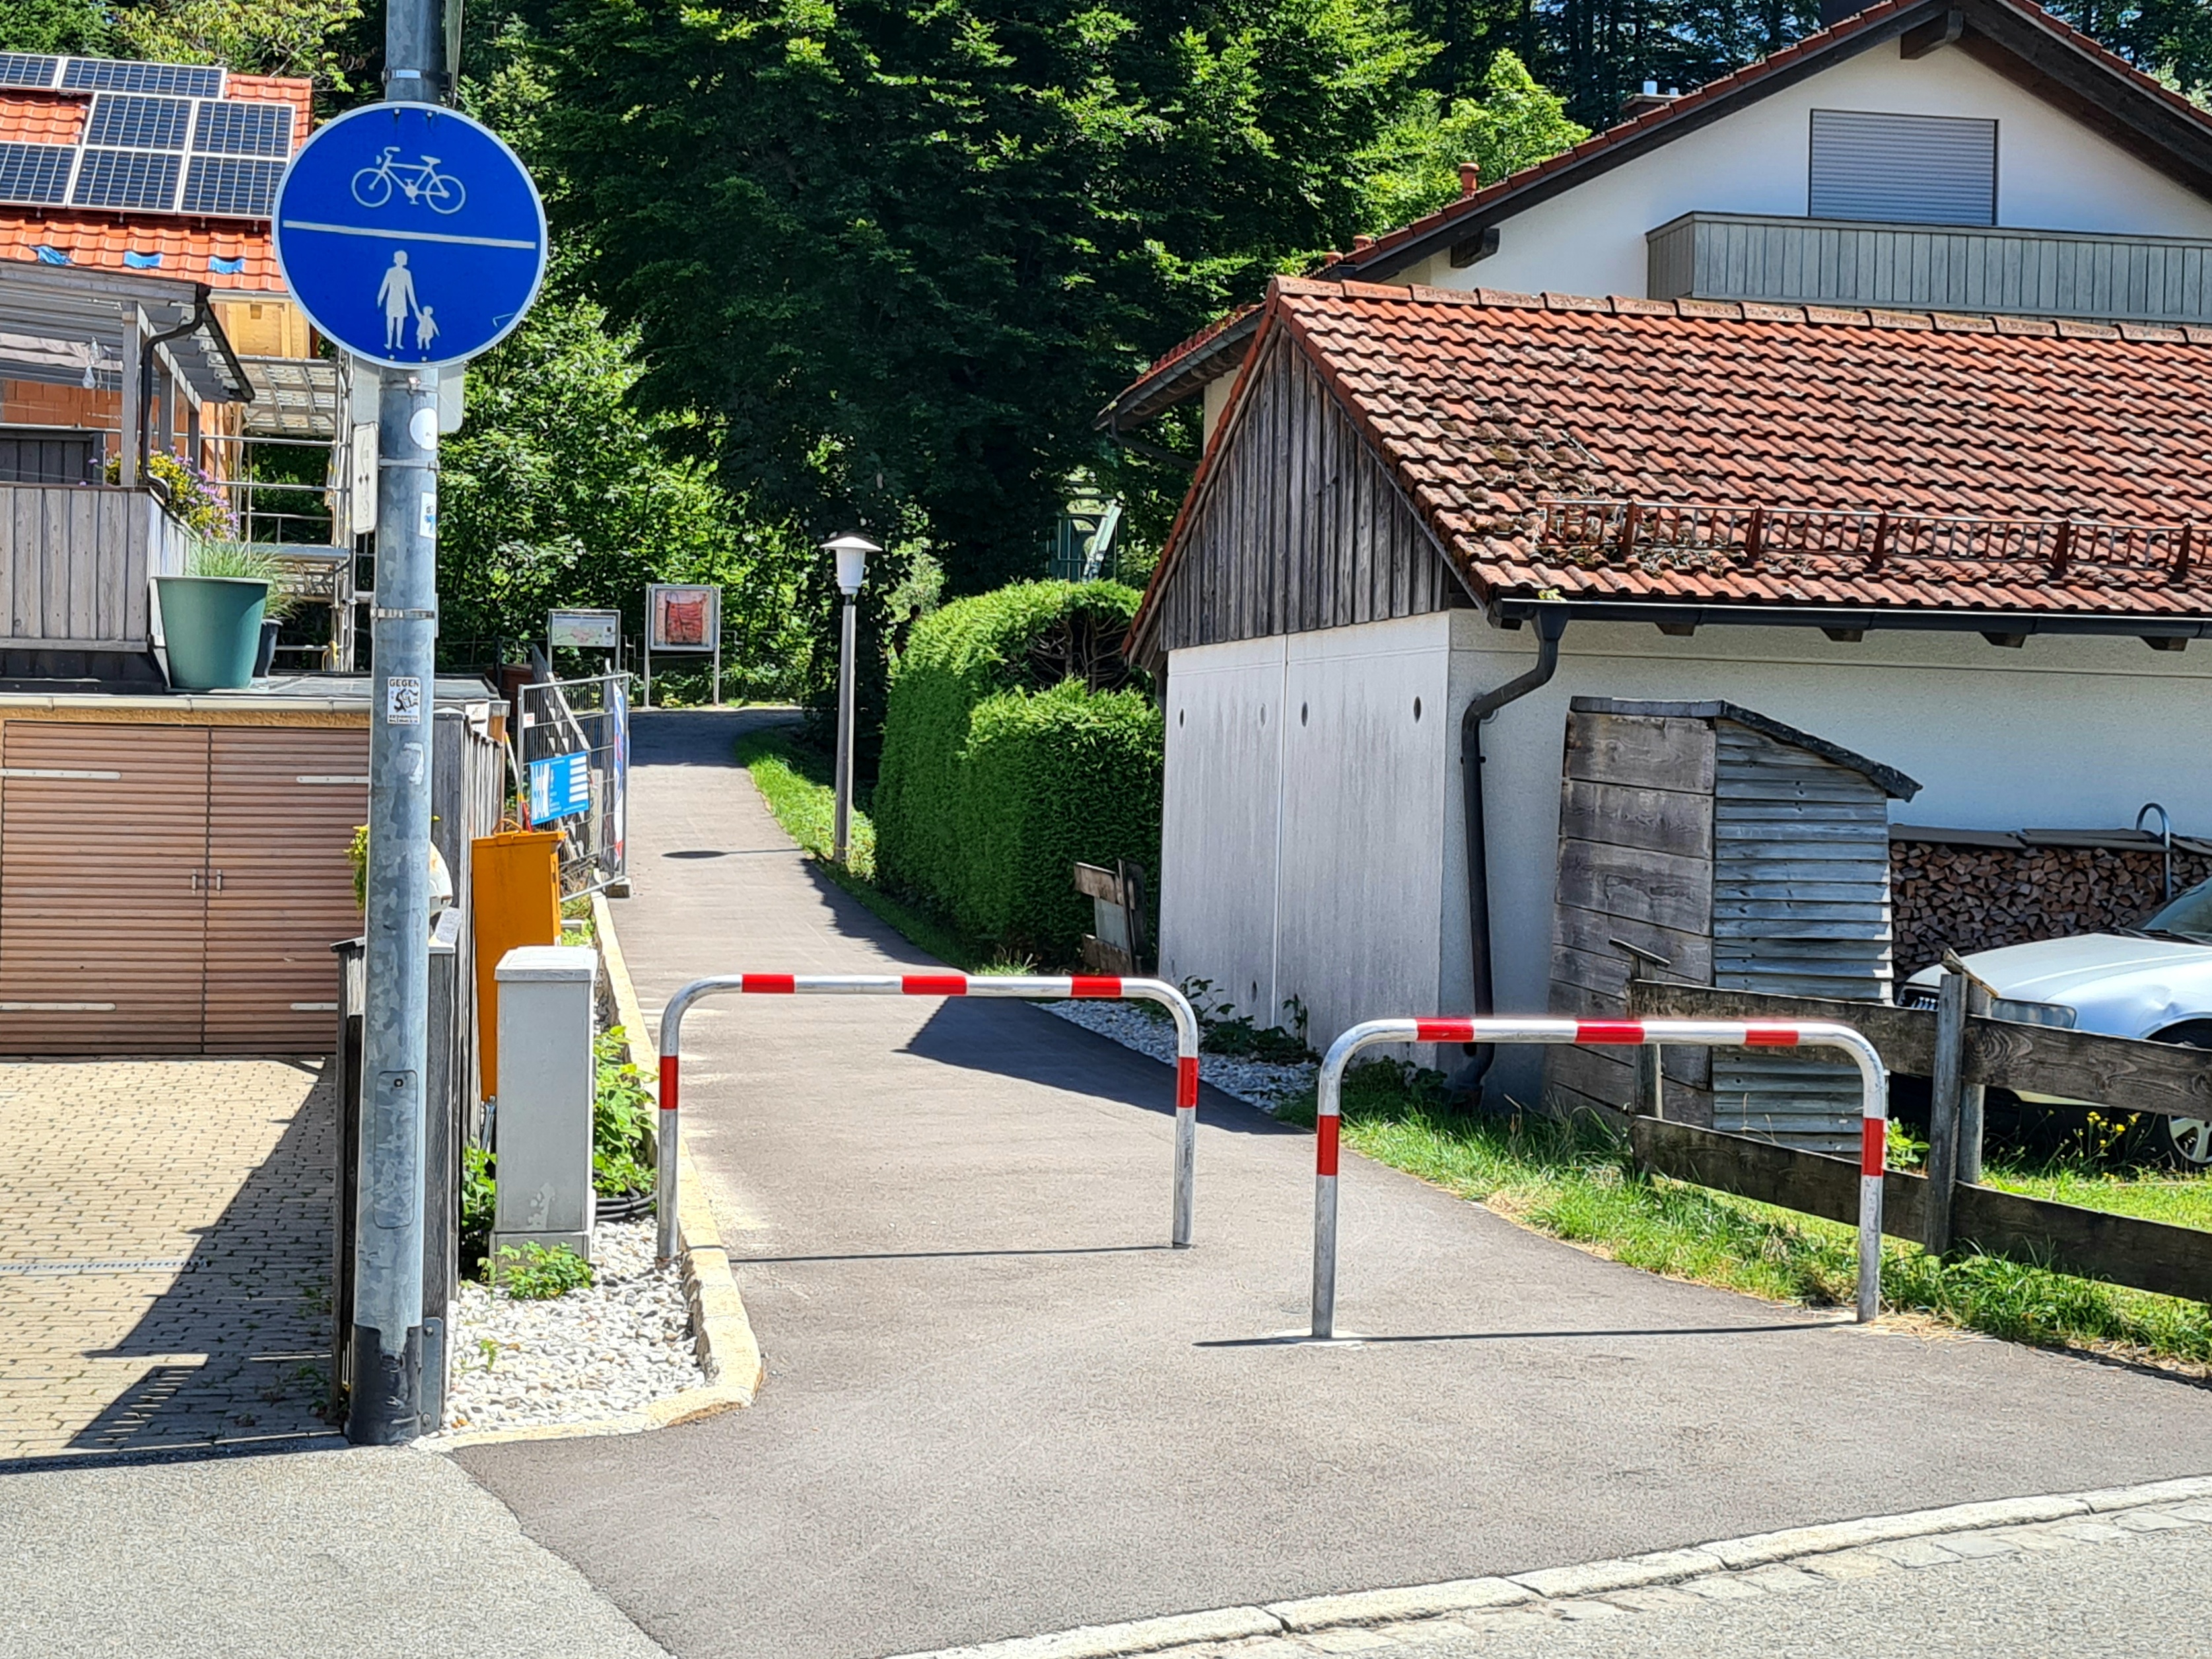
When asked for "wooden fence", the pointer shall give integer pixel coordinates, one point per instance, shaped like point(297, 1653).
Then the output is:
point(1962, 1054)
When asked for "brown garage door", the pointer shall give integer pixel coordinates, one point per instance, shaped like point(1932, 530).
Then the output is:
point(103, 888)
point(174, 889)
point(282, 808)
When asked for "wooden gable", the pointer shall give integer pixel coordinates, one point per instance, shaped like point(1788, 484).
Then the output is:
point(1297, 525)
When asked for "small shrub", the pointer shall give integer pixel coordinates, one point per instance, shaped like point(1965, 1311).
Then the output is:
point(538, 1272)
point(1223, 1030)
point(479, 1197)
point(622, 1120)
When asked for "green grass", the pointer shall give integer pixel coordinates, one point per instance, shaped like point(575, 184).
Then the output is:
point(1577, 1181)
point(798, 785)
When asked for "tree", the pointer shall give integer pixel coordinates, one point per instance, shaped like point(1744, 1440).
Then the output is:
point(67, 26)
point(307, 38)
point(556, 492)
point(1514, 123)
point(899, 251)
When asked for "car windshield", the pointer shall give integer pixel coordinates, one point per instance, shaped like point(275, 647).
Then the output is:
point(2186, 916)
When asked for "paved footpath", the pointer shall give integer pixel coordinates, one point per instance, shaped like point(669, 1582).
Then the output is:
point(165, 1254)
point(995, 1405)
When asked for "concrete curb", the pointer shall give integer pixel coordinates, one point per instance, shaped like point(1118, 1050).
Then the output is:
point(729, 1353)
point(1414, 1601)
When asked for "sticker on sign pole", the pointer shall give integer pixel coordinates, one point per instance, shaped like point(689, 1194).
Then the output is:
point(403, 701)
point(410, 234)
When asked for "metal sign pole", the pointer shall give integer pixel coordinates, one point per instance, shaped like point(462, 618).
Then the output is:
point(385, 1407)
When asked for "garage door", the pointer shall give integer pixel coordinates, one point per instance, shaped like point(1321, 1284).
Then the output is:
point(103, 888)
point(282, 808)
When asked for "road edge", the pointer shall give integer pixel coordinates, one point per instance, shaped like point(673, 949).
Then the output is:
point(1420, 1602)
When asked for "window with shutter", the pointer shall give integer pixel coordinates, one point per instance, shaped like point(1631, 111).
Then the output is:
point(1904, 169)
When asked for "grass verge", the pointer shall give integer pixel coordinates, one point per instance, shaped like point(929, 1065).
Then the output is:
point(1578, 1182)
point(797, 783)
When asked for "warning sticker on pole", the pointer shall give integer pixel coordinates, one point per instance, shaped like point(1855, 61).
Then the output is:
point(403, 701)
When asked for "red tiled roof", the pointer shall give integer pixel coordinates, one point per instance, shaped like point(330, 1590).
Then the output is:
point(41, 118)
point(1486, 405)
point(97, 241)
point(1687, 111)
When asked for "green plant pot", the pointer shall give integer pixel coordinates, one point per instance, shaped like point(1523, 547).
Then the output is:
point(212, 625)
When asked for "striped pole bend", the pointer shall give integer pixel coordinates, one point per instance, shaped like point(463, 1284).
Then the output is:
point(1874, 1107)
point(1028, 987)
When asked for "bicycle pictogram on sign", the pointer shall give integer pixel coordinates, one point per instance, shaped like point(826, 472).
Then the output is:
point(418, 181)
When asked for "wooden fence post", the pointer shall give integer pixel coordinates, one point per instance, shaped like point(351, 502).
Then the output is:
point(1943, 1113)
point(1970, 1094)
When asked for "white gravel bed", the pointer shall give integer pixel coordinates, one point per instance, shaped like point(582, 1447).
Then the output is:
point(616, 1345)
point(1259, 1082)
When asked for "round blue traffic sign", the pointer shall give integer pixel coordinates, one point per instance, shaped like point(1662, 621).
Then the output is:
point(410, 234)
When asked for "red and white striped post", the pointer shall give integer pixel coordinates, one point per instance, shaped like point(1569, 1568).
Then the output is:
point(1033, 987)
point(1873, 1110)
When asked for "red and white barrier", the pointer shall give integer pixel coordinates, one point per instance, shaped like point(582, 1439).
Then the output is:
point(1032, 988)
point(1874, 1121)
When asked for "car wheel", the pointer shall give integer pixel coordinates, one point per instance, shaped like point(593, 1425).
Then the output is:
point(2185, 1142)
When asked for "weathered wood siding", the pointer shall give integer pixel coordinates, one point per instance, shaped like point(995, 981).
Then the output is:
point(2034, 273)
point(1801, 908)
point(1297, 526)
point(1636, 864)
point(75, 565)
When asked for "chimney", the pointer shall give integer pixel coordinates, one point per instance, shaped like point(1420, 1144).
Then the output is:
point(1644, 102)
point(1470, 178)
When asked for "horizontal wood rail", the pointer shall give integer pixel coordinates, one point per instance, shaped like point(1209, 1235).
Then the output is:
point(2121, 1072)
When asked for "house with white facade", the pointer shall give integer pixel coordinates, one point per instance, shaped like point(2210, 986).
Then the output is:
point(1863, 389)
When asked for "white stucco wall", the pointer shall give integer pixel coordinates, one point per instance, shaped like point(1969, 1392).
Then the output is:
point(2053, 174)
point(1354, 899)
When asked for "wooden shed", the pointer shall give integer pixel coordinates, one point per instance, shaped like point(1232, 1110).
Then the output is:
point(1747, 855)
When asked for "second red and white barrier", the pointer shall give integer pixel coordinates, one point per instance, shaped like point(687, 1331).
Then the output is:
point(1873, 1119)
point(1025, 987)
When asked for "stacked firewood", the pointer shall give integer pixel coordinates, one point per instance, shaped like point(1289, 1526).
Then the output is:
point(1976, 898)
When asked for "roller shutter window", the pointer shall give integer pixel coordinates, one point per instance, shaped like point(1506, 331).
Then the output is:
point(1904, 169)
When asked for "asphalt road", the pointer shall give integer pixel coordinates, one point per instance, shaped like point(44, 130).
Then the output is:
point(996, 1404)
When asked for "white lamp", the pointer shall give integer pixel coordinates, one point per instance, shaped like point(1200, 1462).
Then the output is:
point(852, 549)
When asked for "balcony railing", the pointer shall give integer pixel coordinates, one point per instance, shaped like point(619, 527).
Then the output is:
point(1960, 268)
point(76, 562)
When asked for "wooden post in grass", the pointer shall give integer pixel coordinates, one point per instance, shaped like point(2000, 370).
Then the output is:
point(1943, 1113)
point(1970, 1094)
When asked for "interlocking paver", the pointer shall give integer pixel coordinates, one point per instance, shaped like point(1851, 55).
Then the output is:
point(165, 1246)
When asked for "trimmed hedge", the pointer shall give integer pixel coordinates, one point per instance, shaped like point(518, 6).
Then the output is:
point(1013, 747)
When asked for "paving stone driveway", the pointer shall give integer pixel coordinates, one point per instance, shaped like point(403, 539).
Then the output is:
point(165, 1235)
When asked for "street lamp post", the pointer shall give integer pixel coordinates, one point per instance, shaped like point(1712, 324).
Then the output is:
point(852, 552)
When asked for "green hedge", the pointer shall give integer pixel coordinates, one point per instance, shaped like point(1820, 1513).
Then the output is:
point(1001, 768)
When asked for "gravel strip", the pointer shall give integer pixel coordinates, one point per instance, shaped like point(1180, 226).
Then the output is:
point(1256, 1082)
point(615, 1346)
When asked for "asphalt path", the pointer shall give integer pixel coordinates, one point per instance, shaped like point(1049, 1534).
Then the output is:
point(997, 1405)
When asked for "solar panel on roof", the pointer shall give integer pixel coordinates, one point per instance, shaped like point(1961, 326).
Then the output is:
point(223, 184)
point(27, 69)
point(102, 74)
point(34, 173)
point(130, 122)
point(126, 178)
point(235, 127)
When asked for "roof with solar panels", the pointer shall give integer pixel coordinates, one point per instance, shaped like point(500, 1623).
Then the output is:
point(167, 168)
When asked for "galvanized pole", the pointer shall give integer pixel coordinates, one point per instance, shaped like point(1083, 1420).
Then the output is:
point(841, 831)
point(385, 1407)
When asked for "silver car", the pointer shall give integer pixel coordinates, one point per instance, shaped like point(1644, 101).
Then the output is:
point(2152, 981)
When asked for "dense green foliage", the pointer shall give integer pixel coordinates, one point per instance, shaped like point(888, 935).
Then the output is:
point(896, 253)
point(622, 1119)
point(1513, 123)
point(557, 492)
point(1010, 752)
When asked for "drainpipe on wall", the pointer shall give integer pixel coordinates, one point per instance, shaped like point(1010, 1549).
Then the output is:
point(147, 354)
point(1550, 626)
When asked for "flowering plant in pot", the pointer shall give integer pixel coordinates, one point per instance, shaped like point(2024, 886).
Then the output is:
point(213, 615)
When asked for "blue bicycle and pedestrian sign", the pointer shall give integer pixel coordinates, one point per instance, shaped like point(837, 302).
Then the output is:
point(410, 234)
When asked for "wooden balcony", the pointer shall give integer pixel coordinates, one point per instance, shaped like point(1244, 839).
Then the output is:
point(1975, 270)
point(76, 562)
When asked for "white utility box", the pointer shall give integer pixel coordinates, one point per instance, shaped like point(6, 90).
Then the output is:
point(541, 1124)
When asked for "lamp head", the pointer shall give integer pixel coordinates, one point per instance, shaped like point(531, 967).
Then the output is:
point(852, 549)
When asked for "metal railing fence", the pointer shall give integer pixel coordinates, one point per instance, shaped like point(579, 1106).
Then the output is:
point(572, 757)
